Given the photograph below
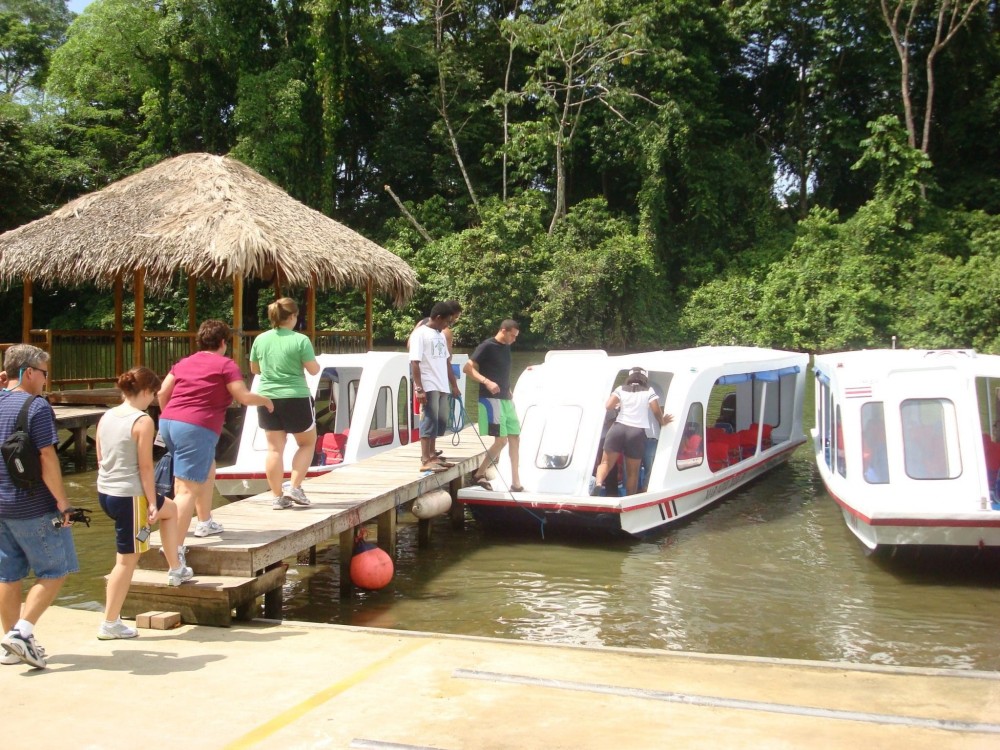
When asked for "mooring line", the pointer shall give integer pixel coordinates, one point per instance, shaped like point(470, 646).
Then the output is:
point(734, 703)
point(282, 720)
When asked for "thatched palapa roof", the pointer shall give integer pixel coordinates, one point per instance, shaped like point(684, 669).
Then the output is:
point(207, 216)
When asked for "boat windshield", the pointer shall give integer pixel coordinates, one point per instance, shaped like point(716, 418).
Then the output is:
point(561, 426)
point(930, 438)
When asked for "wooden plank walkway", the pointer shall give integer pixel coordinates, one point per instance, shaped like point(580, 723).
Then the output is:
point(258, 538)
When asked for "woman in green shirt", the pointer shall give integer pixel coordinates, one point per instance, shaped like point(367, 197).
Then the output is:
point(282, 357)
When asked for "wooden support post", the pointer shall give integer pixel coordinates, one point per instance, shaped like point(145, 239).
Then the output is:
point(457, 511)
point(119, 333)
point(387, 532)
point(311, 311)
point(237, 345)
point(423, 532)
point(138, 355)
point(346, 553)
point(273, 598)
point(368, 315)
point(312, 555)
point(27, 306)
point(193, 311)
point(80, 447)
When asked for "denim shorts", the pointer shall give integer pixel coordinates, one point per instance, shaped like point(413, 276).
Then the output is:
point(434, 420)
point(193, 447)
point(32, 543)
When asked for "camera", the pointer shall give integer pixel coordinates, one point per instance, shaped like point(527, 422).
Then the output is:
point(143, 534)
point(73, 515)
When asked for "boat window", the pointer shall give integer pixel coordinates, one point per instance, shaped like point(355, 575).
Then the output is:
point(930, 439)
point(403, 411)
point(380, 430)
point(722, 403)
point(352, 399)
point(988, 396)
point(561, 427)
point(874, 459)
point(841, 457)
point(692, 450)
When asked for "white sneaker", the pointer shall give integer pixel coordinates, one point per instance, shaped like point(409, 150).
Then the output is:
point(207, 528)
point(110, 631)
point(181, 555)
point(25, 649)
point(12, 658)
point(180, 575)
point(281, 503)
point(298, 496)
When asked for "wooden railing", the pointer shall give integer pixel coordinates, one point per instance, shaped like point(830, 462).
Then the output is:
point(85, 359)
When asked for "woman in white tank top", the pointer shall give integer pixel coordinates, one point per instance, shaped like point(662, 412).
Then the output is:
point(126, 492)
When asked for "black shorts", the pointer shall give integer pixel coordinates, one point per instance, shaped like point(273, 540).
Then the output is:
point(628, 440)
point(292, 415)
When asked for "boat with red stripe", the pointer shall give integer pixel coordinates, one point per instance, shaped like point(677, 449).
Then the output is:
point(737, 413)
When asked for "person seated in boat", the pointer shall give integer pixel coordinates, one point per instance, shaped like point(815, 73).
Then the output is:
point(652, 439)
point(874, 459)
point(637, 404)
point(727, 413)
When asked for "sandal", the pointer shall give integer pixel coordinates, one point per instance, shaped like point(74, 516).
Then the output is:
point(442, 462)
point(436, 468)
point(484, 483)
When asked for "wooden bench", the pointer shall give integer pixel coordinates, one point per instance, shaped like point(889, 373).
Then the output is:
point(204, 600)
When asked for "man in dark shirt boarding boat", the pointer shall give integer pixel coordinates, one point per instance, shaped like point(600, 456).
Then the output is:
point(489, 365)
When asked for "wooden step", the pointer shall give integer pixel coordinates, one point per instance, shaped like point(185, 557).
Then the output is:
point(204, 600)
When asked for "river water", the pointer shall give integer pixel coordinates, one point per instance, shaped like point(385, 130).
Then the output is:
point(770, 571)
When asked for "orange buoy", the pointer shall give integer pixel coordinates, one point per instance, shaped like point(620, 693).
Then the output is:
point(371, 567)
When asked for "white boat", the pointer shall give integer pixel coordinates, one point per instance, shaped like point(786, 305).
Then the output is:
point(364, 405)
point(697, 462)
point(906, 441)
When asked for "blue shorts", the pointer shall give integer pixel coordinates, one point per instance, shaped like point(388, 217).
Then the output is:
point(32, 543)
point(130, 514)
point(193, 447)
point(434, 419)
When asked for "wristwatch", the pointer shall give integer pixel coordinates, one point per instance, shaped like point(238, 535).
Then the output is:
point(418, 389)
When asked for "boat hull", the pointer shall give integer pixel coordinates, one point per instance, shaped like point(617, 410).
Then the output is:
point(878, 531)
point(637, 516)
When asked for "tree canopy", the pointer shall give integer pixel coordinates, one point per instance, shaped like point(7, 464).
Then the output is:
point(621, 174)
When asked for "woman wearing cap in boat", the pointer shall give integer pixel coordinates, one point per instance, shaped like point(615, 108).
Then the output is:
point(637, 405)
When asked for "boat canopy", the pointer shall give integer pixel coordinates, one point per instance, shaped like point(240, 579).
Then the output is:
point(768, 376)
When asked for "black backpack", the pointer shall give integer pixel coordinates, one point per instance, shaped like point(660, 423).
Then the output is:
point(20, 456)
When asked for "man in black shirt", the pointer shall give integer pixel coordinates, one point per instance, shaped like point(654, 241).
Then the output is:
point(489, 366)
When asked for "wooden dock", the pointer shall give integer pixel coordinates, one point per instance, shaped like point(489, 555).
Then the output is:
point(78, 420)
point(257, 538)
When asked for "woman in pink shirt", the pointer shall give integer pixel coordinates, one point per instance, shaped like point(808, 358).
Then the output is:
point(193, 398)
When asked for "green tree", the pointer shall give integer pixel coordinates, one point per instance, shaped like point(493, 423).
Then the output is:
point(29, 31)
point(577, 54)
point(602, 286)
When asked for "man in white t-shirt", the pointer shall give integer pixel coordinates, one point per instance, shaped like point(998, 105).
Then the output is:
point(433, 380)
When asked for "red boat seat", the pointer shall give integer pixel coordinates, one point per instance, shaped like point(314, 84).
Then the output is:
point(332, 446)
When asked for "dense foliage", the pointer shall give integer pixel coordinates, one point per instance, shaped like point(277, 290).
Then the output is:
point(615, 173)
